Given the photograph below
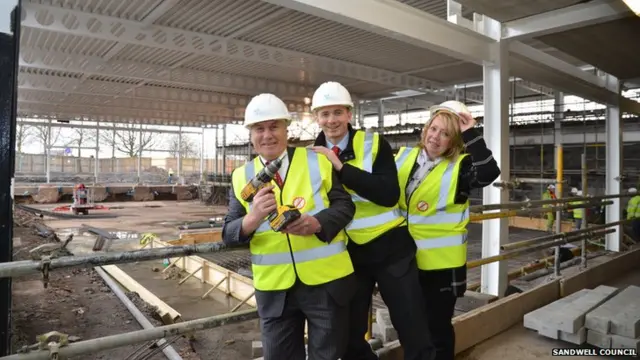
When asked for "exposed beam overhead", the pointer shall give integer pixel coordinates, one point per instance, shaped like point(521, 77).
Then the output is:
point(572, 17)
point(97, 113)
point(99, 127)
point(402, 22)
point(217, 82)
point(132, 32)
point(535, 65)
point(27, 81)
point(193, 109)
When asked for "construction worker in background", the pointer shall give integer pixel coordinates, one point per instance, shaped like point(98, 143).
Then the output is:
point(578, 213)
point(573, 191)
point(436, 178)
point(549, 194)
point(633, 212)
point(304, 272)
point(170, 175)
point(381, 248)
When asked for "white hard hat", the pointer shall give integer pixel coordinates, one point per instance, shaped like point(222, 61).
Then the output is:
point(574, 190)
point(451, 106)
point(551, 187)
point(633, 190)
point(329, 94)
point(265, 107)
point(579, 192)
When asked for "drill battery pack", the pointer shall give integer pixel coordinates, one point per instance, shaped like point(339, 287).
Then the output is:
point(283, 216)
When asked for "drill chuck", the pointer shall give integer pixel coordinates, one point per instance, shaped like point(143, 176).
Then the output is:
point(261, 179)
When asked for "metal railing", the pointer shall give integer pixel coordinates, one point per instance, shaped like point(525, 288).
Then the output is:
point(63, 348)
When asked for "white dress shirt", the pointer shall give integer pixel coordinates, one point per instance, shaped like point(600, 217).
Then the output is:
point(342, 144)
point(285, 164)
point(424, 168)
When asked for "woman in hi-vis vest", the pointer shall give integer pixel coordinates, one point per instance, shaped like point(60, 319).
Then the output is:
point(436, 178)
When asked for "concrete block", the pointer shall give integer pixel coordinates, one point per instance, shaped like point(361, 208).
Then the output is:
point(384, 333)
point(598, 339)
point(183, 193)
point(571, 317)
point(47, 195)
point(256, 349)
point(535, 318)
point(578, 338)
point(383, 318)
point(99, 193)
point(142, 193)
point(549, 331)
point(619, 315)
point(618, 341)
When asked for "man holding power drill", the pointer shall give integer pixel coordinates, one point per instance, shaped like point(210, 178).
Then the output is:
point(304, 271)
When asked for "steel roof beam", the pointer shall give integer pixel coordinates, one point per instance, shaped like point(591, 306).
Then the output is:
point(27, 81)
point(571, 17)
point(108, 114)
point(57, 61)
point(109, 28)
point(195, 109)
point(402, 22)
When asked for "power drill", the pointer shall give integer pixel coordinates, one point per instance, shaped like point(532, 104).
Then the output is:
point(283, 215)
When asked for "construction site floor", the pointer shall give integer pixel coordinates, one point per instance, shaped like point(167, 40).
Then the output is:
point(519, 343)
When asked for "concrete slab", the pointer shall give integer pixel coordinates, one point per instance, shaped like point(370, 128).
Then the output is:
point(621, 342)
point(598, 339)
point(620, 315)
point(47, 195)
point(578, 338)
point(142, 193)
point(568, 314)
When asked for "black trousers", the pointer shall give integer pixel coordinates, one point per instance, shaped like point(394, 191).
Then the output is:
point(399, 286)
point(440, 304)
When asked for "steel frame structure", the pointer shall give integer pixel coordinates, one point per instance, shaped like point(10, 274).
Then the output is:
point(76, 63)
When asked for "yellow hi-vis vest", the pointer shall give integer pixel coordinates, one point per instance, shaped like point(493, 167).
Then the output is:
point(370, 220)
point(277, 258)
point(577, 213)
point(436, 223)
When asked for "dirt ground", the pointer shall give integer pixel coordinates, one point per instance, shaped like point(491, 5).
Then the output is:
point(76, 302)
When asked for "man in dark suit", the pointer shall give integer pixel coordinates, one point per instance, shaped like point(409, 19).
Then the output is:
point(304, 272)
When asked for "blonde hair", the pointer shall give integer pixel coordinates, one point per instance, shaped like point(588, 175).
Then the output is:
point(452, 124)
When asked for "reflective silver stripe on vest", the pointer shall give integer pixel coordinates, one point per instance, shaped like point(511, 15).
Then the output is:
point(316, 186)
point(441, 216)
point(440, 242)
point(375, 220)
point(367, 163)
point(321, 252)
point(403, 157)
point(367, 160)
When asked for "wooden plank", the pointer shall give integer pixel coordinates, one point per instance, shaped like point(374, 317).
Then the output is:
point(198, 237)
point(236, 285)
point(168, 314)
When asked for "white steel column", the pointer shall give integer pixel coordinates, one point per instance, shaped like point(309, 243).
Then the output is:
point(495, 232)
point(202, 156)
point(96, 168)
point(47, 151)
point(558, 116)
point(140, 155)
point(613, 154)
point(216, 168)
point(380, 114)
point(224, 149)
point(179, 156)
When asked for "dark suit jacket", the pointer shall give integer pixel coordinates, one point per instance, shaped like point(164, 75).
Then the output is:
point(333, 220)
point(381, 187)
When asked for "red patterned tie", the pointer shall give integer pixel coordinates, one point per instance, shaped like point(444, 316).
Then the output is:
point(336, 150)
point(277, 178)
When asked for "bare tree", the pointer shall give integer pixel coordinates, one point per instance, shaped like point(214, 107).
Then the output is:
point(46, 136)
point(25, 135)
point(79, 138)
point(189, 148)
point(127, 139)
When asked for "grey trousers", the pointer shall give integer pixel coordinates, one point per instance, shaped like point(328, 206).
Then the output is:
point(283, 336)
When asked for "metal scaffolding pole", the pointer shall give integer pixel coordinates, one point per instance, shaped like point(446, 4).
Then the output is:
point(526, 250)
point(179, 155)
point(532, 203)
point(202, 156)
point(9, 48)
point(524, 243)
point(535, 211)
point(559, 175)
point(583, 226)
point(135, 337)
point(140, 155)
point(96, 167)
point(26, 267)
